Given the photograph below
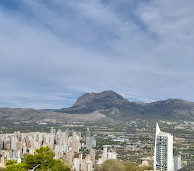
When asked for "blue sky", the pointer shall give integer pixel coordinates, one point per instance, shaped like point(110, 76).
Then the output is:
point(51, 52)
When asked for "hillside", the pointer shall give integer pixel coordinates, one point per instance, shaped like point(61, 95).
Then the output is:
point(115, 106)
point(32, 115)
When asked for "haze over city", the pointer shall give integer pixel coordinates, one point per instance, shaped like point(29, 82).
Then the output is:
point(54, 51)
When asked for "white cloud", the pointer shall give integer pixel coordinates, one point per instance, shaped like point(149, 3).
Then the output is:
point(143, 51)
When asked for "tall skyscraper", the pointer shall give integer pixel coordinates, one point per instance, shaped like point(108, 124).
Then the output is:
point(52, 130)
point(163, 153)
point(90, 143)
point(87, 132)
point(105, 153)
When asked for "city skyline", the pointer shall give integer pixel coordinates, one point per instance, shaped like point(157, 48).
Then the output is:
point(54, 51)
point(74, 148)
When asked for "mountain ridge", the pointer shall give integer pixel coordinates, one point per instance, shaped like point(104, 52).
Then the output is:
point(104, 106)
point(114, 105)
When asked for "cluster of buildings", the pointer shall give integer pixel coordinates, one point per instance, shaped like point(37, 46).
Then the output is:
point(88, 163)
point(18, 145)
point(80, 164)
point(107, 155)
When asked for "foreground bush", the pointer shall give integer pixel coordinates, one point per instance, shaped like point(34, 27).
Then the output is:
point(116, 165)
point(111, 165)
point(129, 166)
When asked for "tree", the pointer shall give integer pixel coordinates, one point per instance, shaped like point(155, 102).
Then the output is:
point(116, 165)
point(129, 166)
point(10, 162)
point(111, 165)
point(11, 165)
point(43, 157)
point(16, 167)
point(42, 160)
point(144, 168)
point(59, 166)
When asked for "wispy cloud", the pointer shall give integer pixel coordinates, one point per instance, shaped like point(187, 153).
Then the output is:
point(53, 51)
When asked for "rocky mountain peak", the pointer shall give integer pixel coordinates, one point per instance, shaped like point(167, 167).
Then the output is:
point(91, 102)
point(108, 96)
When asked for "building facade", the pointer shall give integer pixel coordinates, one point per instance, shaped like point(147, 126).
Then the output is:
point(163, 153)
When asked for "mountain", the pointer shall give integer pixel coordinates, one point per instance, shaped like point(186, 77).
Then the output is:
point(171, 108)
point(91, 102)
point(105, 106)
point(115, 106)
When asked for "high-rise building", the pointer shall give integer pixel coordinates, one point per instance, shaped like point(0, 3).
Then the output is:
point(90, 143)
point(52, 130)
point(105, 153)
point(76, 165)
point(87, 133)
point(163, 153)
point(92, 156)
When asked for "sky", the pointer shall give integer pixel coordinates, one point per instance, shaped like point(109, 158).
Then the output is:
point(53, 51)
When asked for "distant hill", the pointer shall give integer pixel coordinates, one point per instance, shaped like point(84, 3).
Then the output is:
point(115, 106)
point(32, 115)
point(104, 106)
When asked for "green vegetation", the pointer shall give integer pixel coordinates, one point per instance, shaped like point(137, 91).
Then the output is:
point(111, 165)
point(43, 160)
point(129, 166)
point(115, 165)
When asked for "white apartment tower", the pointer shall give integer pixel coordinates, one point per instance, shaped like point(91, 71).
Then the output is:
point(105, 153)
point(163, 153)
